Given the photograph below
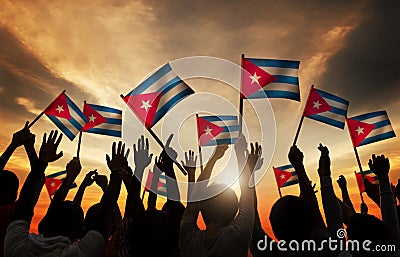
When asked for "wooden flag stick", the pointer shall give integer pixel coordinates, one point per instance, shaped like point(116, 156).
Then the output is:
point(359, 162)
point(41, 114)
point(302, 119)
point(161, 144)
point(240, 96)
point(79, 144)
point(200, 154)
point(361, 195)
point(144, 191)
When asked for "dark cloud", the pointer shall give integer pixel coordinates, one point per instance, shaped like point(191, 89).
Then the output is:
point(23, 75)
point(367, 69)
point(223, 28)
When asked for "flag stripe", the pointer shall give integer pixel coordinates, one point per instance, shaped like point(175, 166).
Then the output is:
point(281, 71)
point(76, 112)
point(107, 132)
point(337, 105)
point(66, 129)
point(152, 79)
point(286, 80)
point(275, 63)
point(275, 94)
point(171, 103)
point(54, 175)
point(333, 122)
point(367, 116)
point(288, 168)
point(221, 141)
point(230, 128)
point(329, 96)
point(376, 138)
point(219, 118)
point(291, 182)
point(105, 109)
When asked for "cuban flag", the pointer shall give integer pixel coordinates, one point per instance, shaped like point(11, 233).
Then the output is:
point(327, 108)
point(282, 78)
point(54, 181)
point(102, 120)
point(162, 184)
point(285, 176)
point(217, 130)
point(156, 95)
point(367, 175)
point(66, 115)
point(369, 128)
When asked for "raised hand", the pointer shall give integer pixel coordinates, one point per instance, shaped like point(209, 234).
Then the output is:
point(295, 156)
point(172, 154)
point(380, 166)
point(220, 151)
point(89, 178)
point(190, 165)
point(342, 182)
point(324, 162)
point(254, 156)
point(141, 153)
point(241, 149)
point(48, 150)
point(21, 137)
point(73, 168)
point(118, 161)
point(101, 181)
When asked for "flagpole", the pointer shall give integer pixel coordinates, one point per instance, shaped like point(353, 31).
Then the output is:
point(79, 144)
point(362, 198)
point(41, 114)
point(302, 119)
point(144, 191)
point(240, 96)
point(359, 162)
point(198, 143)
point(160, 143)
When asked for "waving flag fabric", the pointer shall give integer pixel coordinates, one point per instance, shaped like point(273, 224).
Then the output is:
point(102, 120)
point(226, 130)
point(157, 94)
point(286, 79)
point(162, 184)
point(327, 108)
point(206, 130)
point(66, 115)
point(54, 181)
point(253, 78)
point(369, 128)
point(368, 175)
point(285, 176)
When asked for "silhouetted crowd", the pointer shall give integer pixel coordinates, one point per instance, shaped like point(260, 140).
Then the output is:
point(233, 226)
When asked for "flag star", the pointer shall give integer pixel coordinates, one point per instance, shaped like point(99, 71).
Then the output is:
point(92, 118)
point(255, 78)
point(283, 176)
point(360, 130)
point(52, 184)
point(59, 108)
point(316, 104)
point(146, 105)
point(208, 131)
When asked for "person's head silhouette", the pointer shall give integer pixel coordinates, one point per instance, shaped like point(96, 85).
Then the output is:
point(221, 209)
point(8, 187)
point(292, 218)
point(63, 218)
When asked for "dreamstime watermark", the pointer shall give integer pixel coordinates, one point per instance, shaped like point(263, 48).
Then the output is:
point(339, 244)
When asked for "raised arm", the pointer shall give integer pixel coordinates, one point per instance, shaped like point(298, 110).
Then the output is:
point(142, 159)
point(73, 169)
point(190, 167)
point(332, 209)
point(380, 166)
point(169, 156)
point(152, 198)
point(117, 163)
point(345, 193)
point(19, 138)
point(30, 191)
point(87, 181)
point(306, 190)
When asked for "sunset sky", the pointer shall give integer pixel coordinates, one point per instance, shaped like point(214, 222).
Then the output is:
point(97, 50)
